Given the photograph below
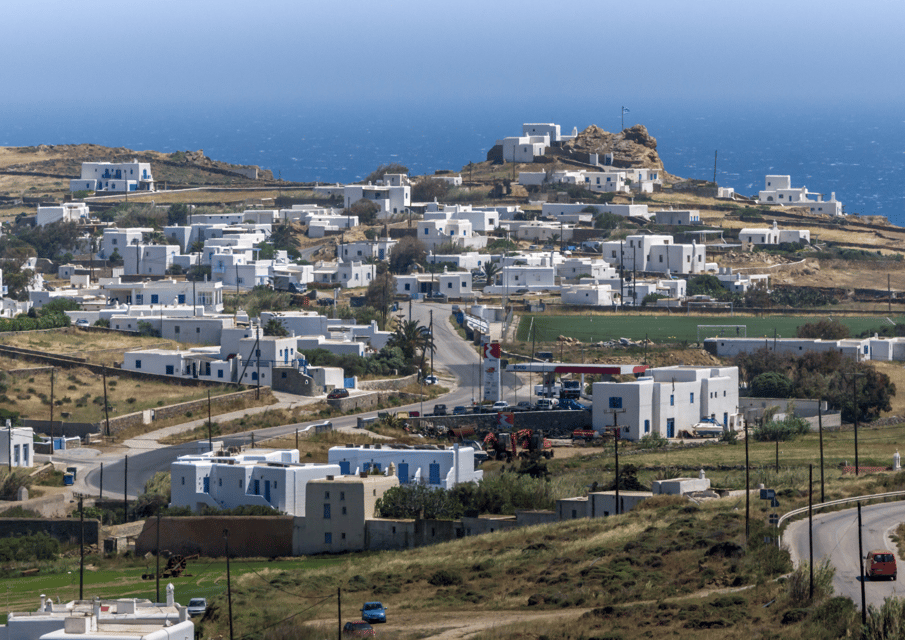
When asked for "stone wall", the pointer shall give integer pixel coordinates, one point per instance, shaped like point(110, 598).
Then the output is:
point(388, 383)
point(552, 423)
point(249, 536)
point(66, 530)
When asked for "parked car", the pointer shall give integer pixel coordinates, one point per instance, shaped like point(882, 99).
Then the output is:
point(880, 564)
point(439, 409)
point(360, 629)
point(81, 322)
point(431, 380)
point(338, 393)
point(545, 404)
point(523, 405)
point(197, 607)
point(459, 411)
point(373, 612)
point(500, 405)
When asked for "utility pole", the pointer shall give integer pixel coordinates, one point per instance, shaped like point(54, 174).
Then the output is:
point(210, 439)
point(158, 554)
point(229, 586)
point(125, 490)
point(51, 410)
point(81, 549)
point(855, 377)
point(861, 568)
point(615, 429)
point(811, 525)
point(106, 406)
point(432, 340)
point(339, 614)
point(820, 430)
point(714, 166)
point(258, 357)
point(747, 490)
point(101, 497)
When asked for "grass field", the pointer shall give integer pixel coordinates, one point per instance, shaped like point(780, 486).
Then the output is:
point(671, 328)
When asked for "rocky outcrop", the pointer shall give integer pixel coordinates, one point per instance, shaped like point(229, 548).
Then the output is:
point(634, 147)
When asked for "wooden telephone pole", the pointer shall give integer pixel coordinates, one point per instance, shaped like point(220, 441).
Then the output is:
point(615, 429)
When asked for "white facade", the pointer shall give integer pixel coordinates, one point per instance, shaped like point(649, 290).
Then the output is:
point(773, 235)
point(436, 233)
point(779, 190)
point(454, 284)
point(389, 198)
point(683, 217)
point(118, 239)
point(261, 477)
point(365, 249)
point(168, 293)
point(856, 348)
point(345, 274)
point(575, 268)
point(443, 468)
point(556, 209)
point(669, 401)
point(531, 278)
point(655, 253)
point(66, 212)
point(18, 443)
point(598, 295)
point(523, 148)
point(114, 176)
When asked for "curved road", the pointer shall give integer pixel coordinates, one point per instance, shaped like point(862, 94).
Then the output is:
point(452, 354)
point(836, 537)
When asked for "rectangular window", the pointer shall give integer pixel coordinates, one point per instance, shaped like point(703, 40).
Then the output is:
point(691, 398)
point(220, 373)
point(647, 426)
point(326, 495)
point(138, 364)
point(169, 369)
point(672, 401)
point(154, 298)
point(342, 495)
point(328, 538)
point(326, 512)
point(176, 329)
point(344, 511)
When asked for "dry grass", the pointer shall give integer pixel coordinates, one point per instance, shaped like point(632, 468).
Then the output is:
point(96, 347)
point(79, 395)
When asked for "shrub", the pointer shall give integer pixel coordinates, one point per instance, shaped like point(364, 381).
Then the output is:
point(445, 578)
point(782, 430)
point(33, 546)
point(771, 384)
point(798, 585)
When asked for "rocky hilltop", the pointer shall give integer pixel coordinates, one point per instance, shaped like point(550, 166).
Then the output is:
point(64, 161)
point(631, 148)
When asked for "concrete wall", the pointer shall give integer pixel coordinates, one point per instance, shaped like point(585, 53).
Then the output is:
point(249, 536)
point(388, 384)
point(65, 530)
point(291, 380)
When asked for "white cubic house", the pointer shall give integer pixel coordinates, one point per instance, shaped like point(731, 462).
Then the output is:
point(114, 176)
point(441, 468)
point(269, 478)
point(668, 401)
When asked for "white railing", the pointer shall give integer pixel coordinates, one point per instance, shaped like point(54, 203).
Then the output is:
point(834, 503)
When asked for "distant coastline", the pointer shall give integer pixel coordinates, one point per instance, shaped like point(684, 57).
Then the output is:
point(860, 158)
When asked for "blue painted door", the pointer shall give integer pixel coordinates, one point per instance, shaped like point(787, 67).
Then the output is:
point(267, 490)
point(435, 473)
point(725, 419)
point(207, 485)
point(671, 428)
point(344, 467)
point(257, 488)
point(403, 473)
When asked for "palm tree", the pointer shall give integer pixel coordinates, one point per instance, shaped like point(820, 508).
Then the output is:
point(491, 269)
point(411, 338)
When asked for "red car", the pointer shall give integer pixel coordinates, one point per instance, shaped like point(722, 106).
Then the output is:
point(338, 393)
point(880, 564)
point(358, 629)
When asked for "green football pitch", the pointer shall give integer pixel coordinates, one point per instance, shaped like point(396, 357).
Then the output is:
point(675, 328)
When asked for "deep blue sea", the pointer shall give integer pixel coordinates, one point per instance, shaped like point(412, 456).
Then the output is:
point(856, 151)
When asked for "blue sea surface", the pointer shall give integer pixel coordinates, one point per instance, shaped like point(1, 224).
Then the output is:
point(855, 152)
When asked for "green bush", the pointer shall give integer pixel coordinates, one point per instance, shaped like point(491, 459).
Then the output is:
point(783, 430)
point(31, 546)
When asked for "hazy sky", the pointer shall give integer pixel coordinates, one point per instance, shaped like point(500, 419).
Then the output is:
point(198, 51)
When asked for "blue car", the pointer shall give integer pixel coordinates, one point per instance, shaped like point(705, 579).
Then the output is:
point(373, 612)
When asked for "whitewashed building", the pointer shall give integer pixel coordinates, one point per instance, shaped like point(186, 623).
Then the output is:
point(597, 295)
point(683, 217)
point(114, 176)
point(260, 477)
point(18, 442)
point(347, 275)
point(779, 190)
point(668, 401)
point(65, 212)
point(441, 468)
point(363, 250)
point(773, 235)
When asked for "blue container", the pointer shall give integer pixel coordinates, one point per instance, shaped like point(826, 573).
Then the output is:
point(68, 479)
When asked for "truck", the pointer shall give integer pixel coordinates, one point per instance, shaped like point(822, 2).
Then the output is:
point(570, 389)
point(286, 283)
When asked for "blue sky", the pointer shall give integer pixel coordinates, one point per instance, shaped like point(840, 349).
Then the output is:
point(227, 52)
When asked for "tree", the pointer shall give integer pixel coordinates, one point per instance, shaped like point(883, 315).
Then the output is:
point(771, 384)
point(285, 237)
point(380, 293)
point(417, 500)
point(430, 189)
point(411, 338)
point(824, 329)
point(491, 269)
point(366, 211)
point(382, 170)
point(275, 327)
point(177, 214)
point(405, 253)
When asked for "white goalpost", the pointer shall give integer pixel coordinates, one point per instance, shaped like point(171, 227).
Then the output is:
point(722, 331)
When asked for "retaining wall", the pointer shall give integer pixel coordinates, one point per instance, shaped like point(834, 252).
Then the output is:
point(66, 530)
point(249, 536)
point(388, 383)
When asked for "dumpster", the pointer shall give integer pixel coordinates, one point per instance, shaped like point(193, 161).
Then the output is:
point(68, 479)
point(73, 471)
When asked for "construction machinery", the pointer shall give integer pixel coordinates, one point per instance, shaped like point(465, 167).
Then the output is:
point(533, 443)
point(176, 566)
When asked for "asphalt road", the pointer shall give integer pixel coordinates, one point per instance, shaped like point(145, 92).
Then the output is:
point(836, 537)
point(452, 355)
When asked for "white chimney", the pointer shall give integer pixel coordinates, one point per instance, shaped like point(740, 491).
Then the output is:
point(171, 595)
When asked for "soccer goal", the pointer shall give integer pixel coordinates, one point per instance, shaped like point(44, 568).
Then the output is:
point(722, 331)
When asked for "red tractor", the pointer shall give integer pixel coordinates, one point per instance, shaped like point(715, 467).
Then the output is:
point(500, 446)
point(534, 443)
